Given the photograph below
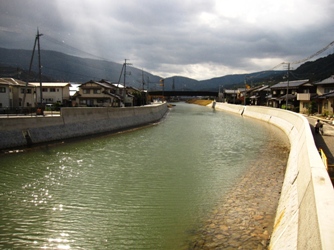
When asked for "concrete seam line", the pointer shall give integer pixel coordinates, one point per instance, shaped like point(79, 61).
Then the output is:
point(285, 228)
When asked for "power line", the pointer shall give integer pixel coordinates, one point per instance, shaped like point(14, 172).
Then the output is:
point(315, 54)
point(63, 44)
point(296, 62)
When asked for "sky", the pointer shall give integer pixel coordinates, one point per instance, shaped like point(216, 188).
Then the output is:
point(199, 39)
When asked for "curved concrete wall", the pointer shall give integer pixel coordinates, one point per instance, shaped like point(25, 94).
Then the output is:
point(305, 214)
point(75, 122)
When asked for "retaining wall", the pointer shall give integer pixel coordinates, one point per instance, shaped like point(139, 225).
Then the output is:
point(75, 122)
point(305, 214)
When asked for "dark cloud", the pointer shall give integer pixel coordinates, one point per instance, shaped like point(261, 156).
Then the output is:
point(197, 38)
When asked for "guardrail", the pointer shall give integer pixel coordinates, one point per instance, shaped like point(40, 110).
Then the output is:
point(324, 158)
point(27, 112)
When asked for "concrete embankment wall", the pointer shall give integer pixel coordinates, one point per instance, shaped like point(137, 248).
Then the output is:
point(75, 122)
point(305, 214)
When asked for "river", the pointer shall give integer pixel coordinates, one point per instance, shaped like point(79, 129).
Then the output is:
point(142, 189)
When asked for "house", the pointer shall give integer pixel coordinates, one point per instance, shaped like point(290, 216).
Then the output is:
point(139, 97)
point(325, 96)
point(234, 96)
point(126, 94)
point(12, 93)
point(295, 94)
point(53, 92)
point(258, 95)
point(98, 94)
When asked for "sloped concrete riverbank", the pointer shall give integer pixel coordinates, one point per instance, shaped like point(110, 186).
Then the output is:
point(304, 218)
point(244, 219)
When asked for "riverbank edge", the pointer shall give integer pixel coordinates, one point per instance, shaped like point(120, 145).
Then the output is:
point(75, 122)
point(304, 215)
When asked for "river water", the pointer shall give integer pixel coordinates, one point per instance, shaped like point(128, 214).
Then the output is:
point(143, 189)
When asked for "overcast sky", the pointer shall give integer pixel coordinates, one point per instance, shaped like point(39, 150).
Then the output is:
point(200, 39)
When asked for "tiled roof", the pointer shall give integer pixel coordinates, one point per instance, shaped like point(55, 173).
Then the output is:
point(262, 88)
point(291, 84)
point(51, 84)
point(12, 81)
point(329, 80)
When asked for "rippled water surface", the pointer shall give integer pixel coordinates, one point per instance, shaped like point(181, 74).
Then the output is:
point(143, 189)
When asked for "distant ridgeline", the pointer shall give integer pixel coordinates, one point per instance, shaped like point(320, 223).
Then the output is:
point(58, 66)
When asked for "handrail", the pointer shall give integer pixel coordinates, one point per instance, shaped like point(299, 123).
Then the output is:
point(324, 158)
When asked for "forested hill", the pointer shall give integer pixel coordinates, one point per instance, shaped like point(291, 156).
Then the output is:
point(317, 70)
point(57, 66)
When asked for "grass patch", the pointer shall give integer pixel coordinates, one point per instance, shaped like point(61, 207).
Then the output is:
point(199, 102)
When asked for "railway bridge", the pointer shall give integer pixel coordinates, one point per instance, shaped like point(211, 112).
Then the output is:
point(183, 93)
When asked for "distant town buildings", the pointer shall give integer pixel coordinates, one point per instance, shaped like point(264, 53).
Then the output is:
point(300, 96)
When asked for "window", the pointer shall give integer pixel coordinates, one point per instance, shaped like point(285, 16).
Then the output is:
point(328, 90)
point(97, 91)
point(274, 92)
point(2, 89)
point(52, 89)
point(86, 91)
point(28, 91)
point(282, 92)
point(45, 89)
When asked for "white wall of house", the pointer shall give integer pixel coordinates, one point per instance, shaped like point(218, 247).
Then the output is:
point(4, 96)
point(11, 96)
point(52, 92)
point(30, 99)
point(327, 106)
point(92, 94)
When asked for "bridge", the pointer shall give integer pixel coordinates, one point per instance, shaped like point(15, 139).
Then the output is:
point(183, 93)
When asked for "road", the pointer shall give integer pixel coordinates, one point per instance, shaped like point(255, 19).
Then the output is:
point(325, 141)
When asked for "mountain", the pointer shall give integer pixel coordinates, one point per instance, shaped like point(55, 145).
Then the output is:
point(61, 67)
point(317, 70)
point(58, 66)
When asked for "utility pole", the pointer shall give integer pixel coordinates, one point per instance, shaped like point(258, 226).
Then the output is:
point(163, 88)
point(124, 90)
point(142, 95)
point(245, 91)
point(124, 78)
point(287, 88)
point(39, 66)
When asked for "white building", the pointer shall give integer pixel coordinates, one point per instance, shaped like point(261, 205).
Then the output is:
point(12, 93)
point(53, 92)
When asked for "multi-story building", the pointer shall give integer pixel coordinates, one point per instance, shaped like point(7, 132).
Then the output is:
point(258, 95)
point(12, 93)
point(295, 94)
point(325, 96)
point(53, 92)
point(98, 94)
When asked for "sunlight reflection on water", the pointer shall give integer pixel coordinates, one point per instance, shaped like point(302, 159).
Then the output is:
point(142, 189)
